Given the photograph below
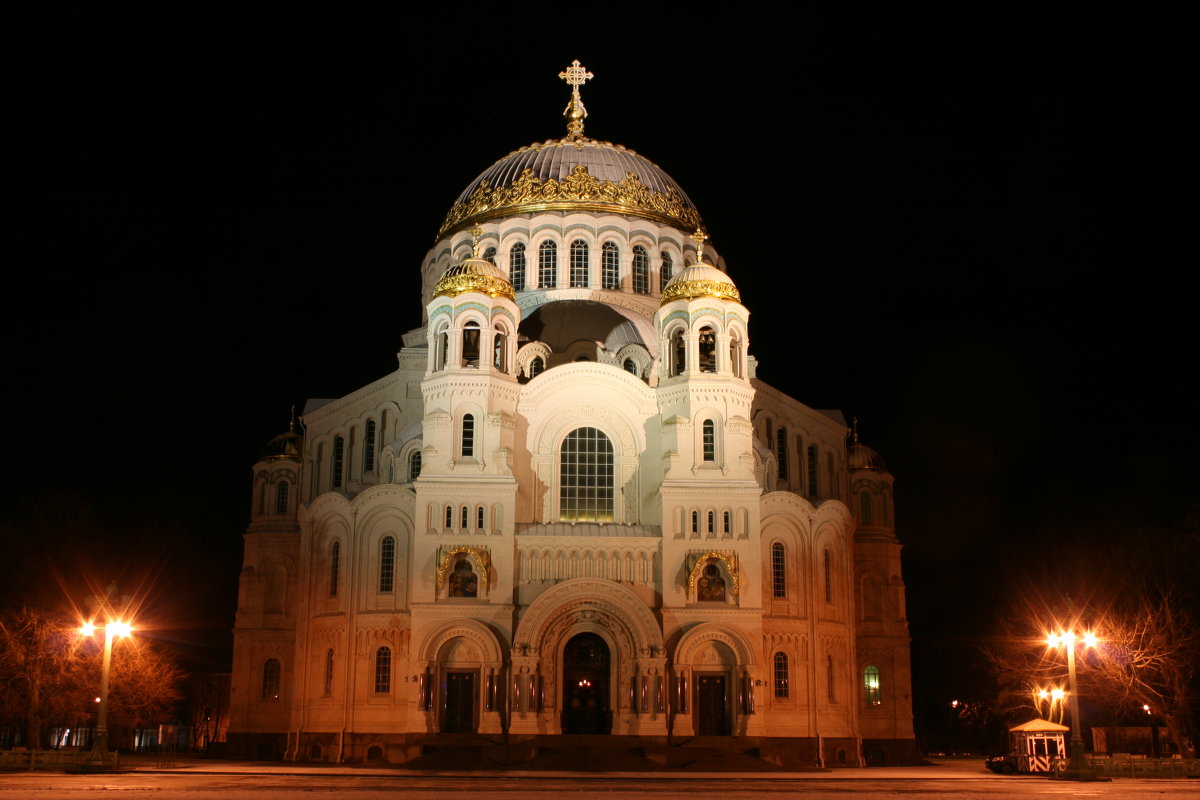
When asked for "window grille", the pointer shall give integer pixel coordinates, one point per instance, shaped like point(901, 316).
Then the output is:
point(586, 477)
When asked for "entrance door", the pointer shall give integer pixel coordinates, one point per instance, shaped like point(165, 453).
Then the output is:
point(585, 686)
point(712, 705)
point(459, 716)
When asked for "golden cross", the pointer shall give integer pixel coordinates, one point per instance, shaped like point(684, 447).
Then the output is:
point(476, 233)
point(575, 76)
point(699, 237)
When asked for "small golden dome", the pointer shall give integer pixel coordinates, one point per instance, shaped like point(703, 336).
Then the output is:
point(700, 280)
point(474, 275)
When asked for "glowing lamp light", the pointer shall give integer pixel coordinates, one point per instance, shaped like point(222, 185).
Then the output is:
point(1057, 694)
point(97, 699)
point(87, 629)
point(120, 628)
point(1089, 639)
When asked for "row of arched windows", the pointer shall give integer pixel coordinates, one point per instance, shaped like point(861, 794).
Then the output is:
point(579, 266)
point(282, 491)
point(387, 566)
point(808, 478)
point(472, 348)
point(465, 520)
point(339, 473)
point(779, 583)
point(704, 358)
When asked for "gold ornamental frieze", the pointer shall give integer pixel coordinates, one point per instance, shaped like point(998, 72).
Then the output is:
point(454, 285)
point(579, 190)
point(477, 554)
point(687, 290)
point(702, 559)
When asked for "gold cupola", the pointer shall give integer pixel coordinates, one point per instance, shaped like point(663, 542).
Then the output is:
point(474, 274)
point(700, 280)
point(573, 173)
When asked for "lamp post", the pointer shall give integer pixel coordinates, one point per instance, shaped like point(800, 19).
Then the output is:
point(1076, 770)
point(100, 758)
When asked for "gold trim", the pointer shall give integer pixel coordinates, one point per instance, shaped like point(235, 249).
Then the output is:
point(578, 191)
point(477, 554)
point(728, 559)
point(687, 290)
point(454, 285)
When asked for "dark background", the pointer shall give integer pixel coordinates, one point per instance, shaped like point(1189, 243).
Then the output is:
point(949, 229)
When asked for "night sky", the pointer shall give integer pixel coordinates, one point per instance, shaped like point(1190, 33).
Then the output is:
point(947, 236)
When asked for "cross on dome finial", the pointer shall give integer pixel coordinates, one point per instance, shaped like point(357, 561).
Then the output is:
point(699, 237)
point(854, 429)
point(575, 76)
point(476, 233)
point(292, 424)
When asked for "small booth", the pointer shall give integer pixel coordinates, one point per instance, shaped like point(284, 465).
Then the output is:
point(1039, 745)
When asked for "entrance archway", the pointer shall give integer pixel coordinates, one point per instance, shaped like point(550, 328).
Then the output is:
point(586, 674)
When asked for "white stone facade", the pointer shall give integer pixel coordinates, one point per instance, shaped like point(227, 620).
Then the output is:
point(613, 528)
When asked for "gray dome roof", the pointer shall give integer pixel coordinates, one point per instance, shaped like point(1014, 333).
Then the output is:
point(562, 174)
point(862, 457)
point(285, 445)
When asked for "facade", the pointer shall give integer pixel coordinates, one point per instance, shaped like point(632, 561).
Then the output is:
point(572, 508)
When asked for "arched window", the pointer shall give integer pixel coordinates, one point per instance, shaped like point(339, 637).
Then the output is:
point(712, 523)
point(631, 366)
point(547, 264)
point(335, 566)
point(516, 266)
point(678, 352)
point(369, 447)
point(479, 518)
point(781, 675)
point(414, 465)
point(262, 498)
point(579, 263)
point(339, 455)
point(778, 570)
point(463, 582)
point(449, 517)
point(499, 350)
point(735, 356)
point(708, 349)
point(709, 443)
point(586, 477)
point(664, 272)
point(464, 517)
point(489, 255)
point(781, 452)
point(470, 344)
point(536, 367)
point(828, 576)
point(829, 678)
point(864, 507)
point(711, 586)
point(695, 523)
point(725, 524)
point(387, 564)
point(610, 260)
point(281, 498)
point(442, 343)
point(270, 682)
point(830, 474)
point(383, 670)
point(468, 436)
point(328, 686)
point(641, 270)
point(871, 686)
point(813, 469)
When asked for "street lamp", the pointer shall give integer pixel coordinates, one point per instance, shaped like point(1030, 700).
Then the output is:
point(1076, 770)
point(99, 758)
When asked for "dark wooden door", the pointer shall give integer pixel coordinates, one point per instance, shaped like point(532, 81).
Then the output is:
point(460, 703)
point(585, 686)
point(712, 705)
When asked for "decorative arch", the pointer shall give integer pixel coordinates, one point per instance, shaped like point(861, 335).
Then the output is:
point(695, 640)
point(469, 629)
point(478, 556)
point(589, 604)
point(728, 559)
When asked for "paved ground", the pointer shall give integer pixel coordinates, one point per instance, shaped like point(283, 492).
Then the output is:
point(232, 780)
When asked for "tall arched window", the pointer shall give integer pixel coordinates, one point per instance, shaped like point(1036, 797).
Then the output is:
point(270, 681)
point(695, 523)
point(828, 576)
point(369, 447)
point(262, 498)
point(829, 678)
point(712, 523)
point(335, 567)
point(470, 344)
point(468, 436)
point(864, 507)
point(489, 255)
point(678, 352)
point(641, 270)
point(735, 356)
point(813, 469)
point(781, 675)
point(781, 452)
point(707, 342)
point(610, 260)
point(871, 686)
point(387, 564)
point(630, 366)
point(547, 265)
point(536, 366)
point(579, 263)
point(449, 517)
point(442, 345)
point(586, 477)
point(383, 670)
point(281, 498)
point(726, 530)
point(479, 518)
point(664, 272)
point(778, 570)
point(328, 685)
point(709, 440)
point(516, 266)
point(339, 456)
point(464, 517)
point(414, 465)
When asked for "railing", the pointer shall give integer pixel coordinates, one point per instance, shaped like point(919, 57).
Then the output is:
point(1141, 767)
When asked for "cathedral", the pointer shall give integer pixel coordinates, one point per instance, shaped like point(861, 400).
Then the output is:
point(572, 509)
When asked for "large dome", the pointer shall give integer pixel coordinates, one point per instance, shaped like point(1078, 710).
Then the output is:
point(573, 174)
